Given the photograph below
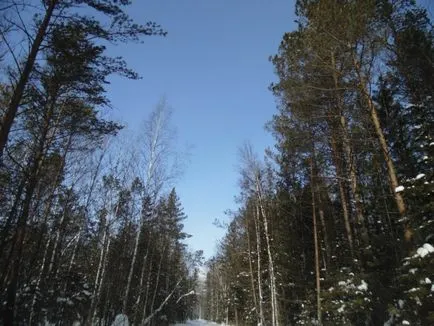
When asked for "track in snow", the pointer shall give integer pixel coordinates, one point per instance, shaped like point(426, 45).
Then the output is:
point(199, 322)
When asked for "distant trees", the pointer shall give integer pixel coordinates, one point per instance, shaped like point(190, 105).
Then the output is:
point(349, 200)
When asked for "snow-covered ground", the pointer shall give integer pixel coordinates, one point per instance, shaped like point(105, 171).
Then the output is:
point(199, 322)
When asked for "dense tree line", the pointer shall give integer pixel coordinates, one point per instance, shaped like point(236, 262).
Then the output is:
point(88, 231)
point(335, 226)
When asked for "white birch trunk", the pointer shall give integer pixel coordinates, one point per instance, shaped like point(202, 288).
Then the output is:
point(259, 272)
point(315, 238)
point(98, 288)
point(56, 244)
point(274, 304)
point(132, 266)
point(147, 320)
point(157, 282)
point(252, 278)
point(38, 281)
point(97, 278)
point(148, 286)
point(142, 280)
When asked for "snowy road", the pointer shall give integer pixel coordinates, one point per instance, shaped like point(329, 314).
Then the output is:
point(198, 323)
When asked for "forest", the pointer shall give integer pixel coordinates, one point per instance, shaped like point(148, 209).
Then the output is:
point(90, 229)
point(334, 224)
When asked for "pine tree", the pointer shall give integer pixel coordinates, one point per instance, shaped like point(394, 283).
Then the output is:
point(59, 13)
point(351, 243)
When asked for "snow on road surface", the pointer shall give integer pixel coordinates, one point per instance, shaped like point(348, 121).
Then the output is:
point(199, 322)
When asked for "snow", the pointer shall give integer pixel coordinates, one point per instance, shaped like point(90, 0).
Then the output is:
point(86, 293)
point(199, 322)
point(186, 295)
point(420, 176)
point(64, 300)
point(404, 322)
point(121, 320)
point(399, 189)
point(424, 250)
point(389, 322)
point(427, 280)
point(363, 286)
point(401, 303)
point(428, 247)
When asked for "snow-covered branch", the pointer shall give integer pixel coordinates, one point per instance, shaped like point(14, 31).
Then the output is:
point(185, 295)
point(156, 311)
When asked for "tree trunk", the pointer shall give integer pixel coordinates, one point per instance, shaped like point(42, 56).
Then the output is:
point(59, 231)
point(315, 239)
point(80, 230)
point(18, 242)
point(38, 280)
point(393, 179)
point(99, 275)
point(342, 194)
point(147, 320)
point(157, 282)
point(227, 315)
point(132, 266)
point(348, 150)
point(259, 271)
point(17, 250)
point(353, 181)
point(17, 95)
point(148, 287)
point(11, 217)
point(142, 279)
point(274, 304)
point(56, 243)
point(252, 278)
point(324, 230)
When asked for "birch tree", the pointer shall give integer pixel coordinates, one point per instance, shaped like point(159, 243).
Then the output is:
point(253, 176)
point(159, 161)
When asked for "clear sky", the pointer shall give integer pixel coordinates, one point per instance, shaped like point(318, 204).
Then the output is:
point(213, 69)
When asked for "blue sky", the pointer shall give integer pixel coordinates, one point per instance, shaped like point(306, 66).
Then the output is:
point(213, 69)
